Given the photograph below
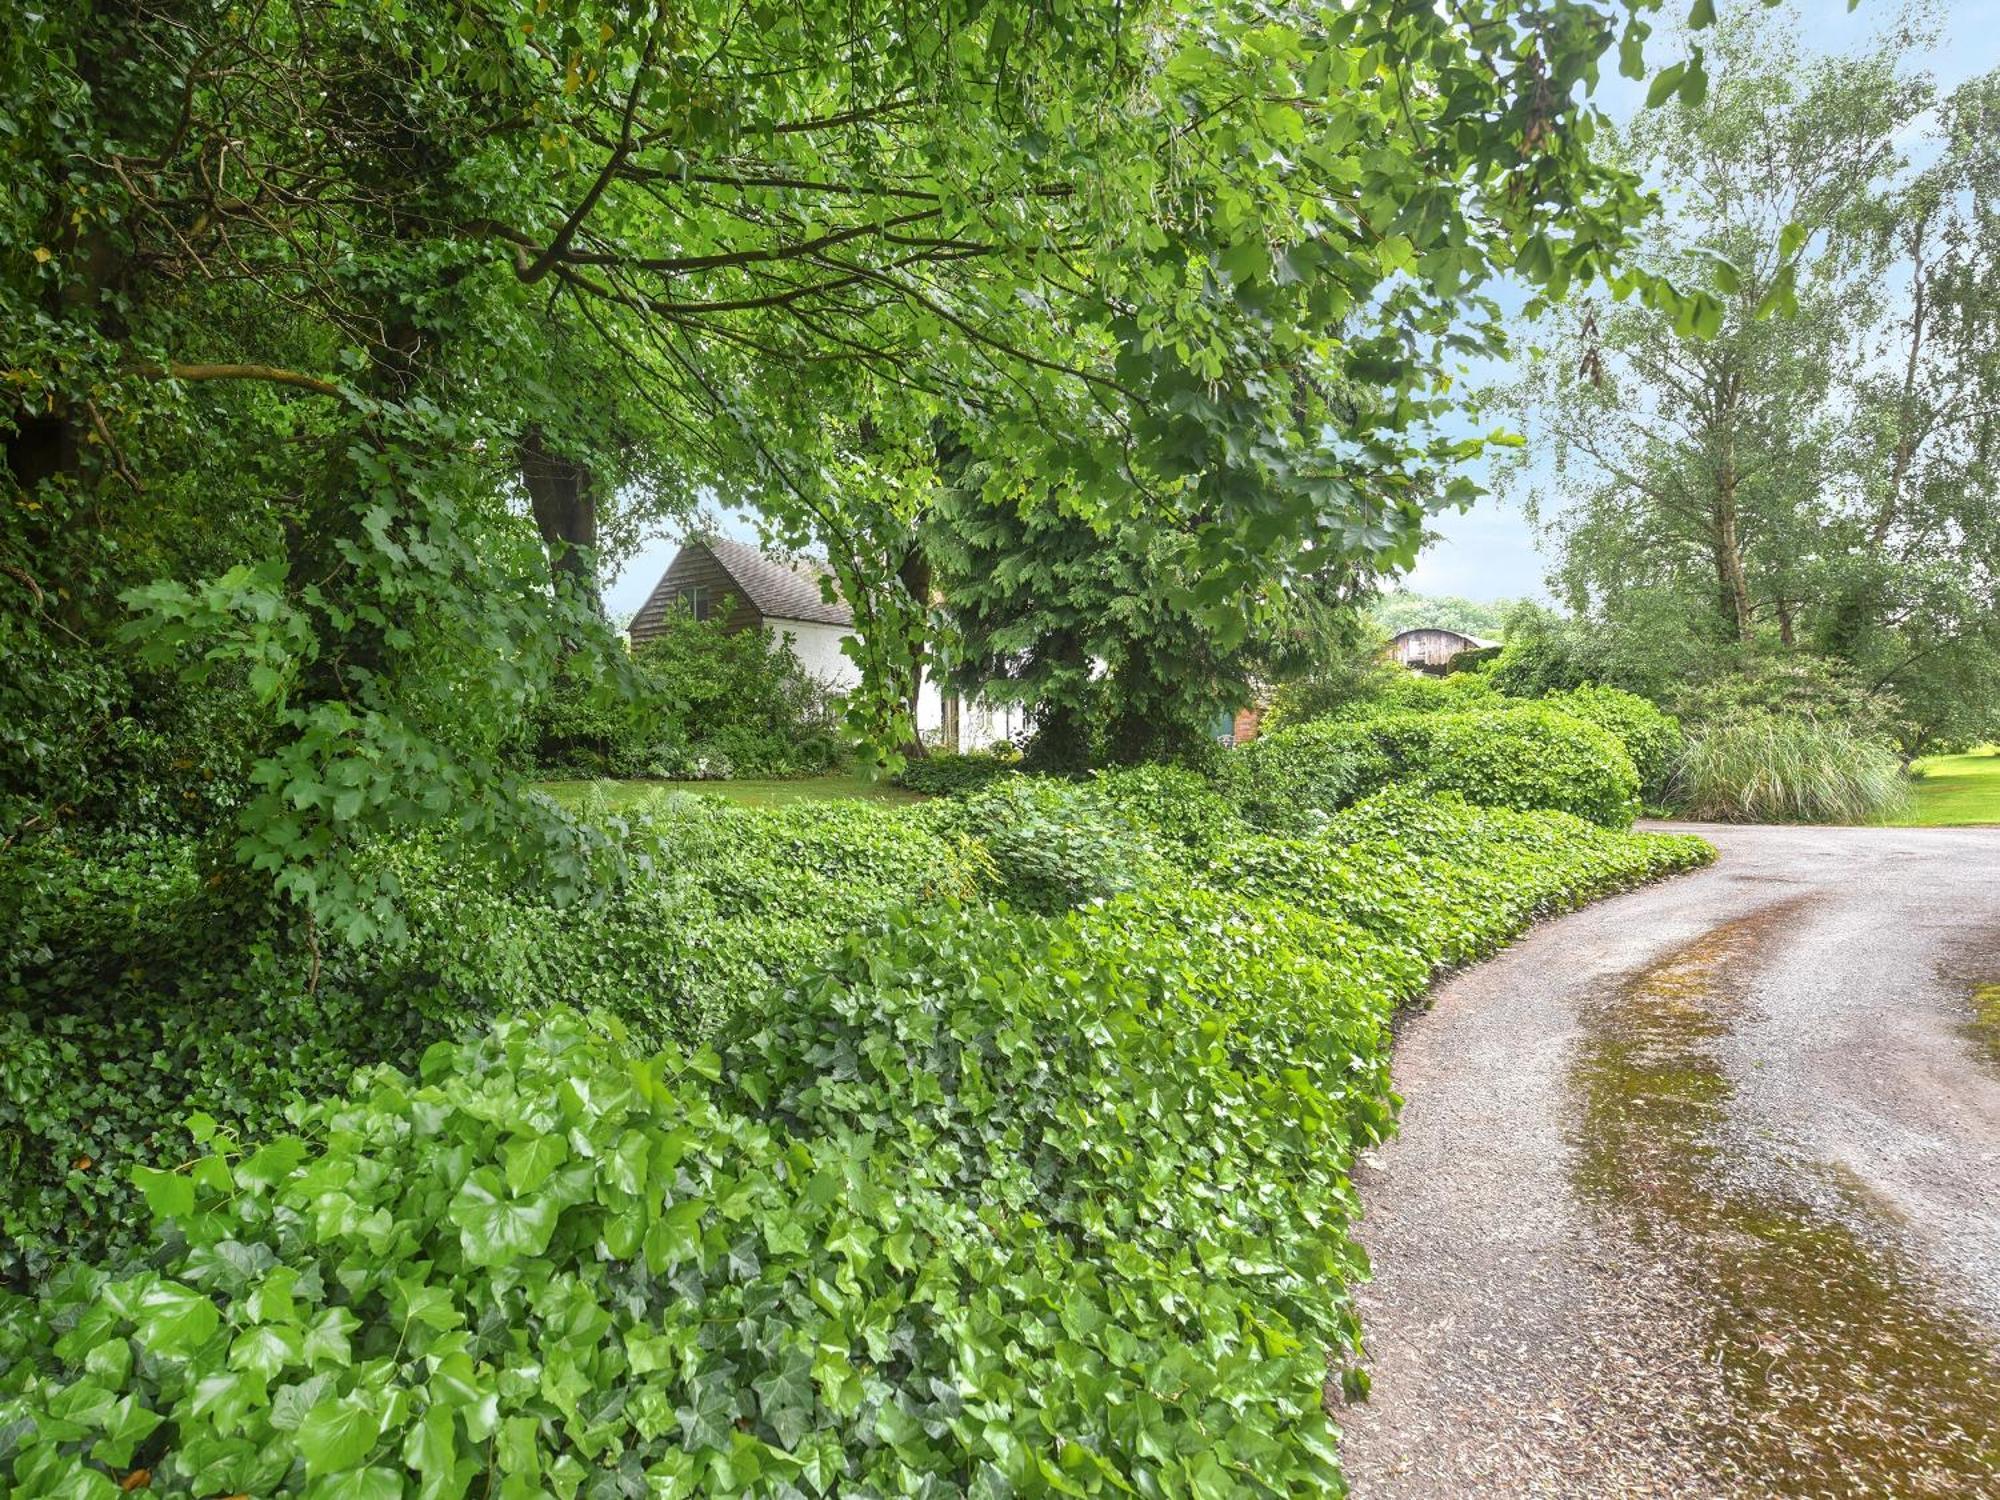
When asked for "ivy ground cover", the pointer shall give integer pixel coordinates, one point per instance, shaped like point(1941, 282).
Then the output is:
point(980, 1201)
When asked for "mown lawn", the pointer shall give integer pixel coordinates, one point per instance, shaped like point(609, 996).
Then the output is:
point(624, 795)
point(1956, 789)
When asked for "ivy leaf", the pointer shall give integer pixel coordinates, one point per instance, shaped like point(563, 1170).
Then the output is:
point(272, 1162)
point(709, 1417)
point(127, 1425)
point(675, 1236)
point(531, 1160)
point(337, 1435)
point(173, 1320)
point(497, 1230)
point(170, 1195)
point(785, 1398)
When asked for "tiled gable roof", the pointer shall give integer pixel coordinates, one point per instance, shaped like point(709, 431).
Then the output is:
point(771, 587)
point(777, 589)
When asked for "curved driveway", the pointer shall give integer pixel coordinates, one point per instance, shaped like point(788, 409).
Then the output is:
point(1698, 1191)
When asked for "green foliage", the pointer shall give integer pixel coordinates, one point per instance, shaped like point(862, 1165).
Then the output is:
point(705, 702)
point(1180, 808)
point(1525, 756)
point(944, 773)
point(1381, 687)
point(1653, 739)
point(559, 272)
point(1053, 844)
point(979, 1178)
point(1787, 685)
point(1421, 693)
point(1440, 882)
point(1817, 483)
point(1338, 678)
point(1549, 653)
point(136, 991)
point(1292, 779)
point(1788, 768)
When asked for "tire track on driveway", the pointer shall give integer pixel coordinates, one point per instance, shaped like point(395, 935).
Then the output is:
point(1698, 1191)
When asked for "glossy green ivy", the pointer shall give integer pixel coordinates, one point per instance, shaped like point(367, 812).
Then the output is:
point(985, 1203)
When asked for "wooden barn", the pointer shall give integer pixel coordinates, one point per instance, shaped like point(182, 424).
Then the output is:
point(1431, 648)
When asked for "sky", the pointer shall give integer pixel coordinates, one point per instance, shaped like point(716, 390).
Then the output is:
point(1489, 552)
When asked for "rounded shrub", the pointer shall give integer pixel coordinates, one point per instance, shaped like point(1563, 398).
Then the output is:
point(1527, 756)
point(1652, 738)
point(1292, 779)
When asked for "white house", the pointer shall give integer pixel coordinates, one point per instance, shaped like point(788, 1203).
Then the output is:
point(750, 590)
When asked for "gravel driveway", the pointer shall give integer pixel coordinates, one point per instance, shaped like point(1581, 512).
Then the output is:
point(1698, 1191)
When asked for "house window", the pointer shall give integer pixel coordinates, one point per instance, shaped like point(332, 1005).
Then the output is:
point(696, 600)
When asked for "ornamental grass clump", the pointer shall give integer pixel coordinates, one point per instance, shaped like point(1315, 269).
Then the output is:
point(1788, 768)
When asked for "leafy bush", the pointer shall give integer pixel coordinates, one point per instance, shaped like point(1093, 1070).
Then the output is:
point(1053, 843)
point(1523, 756)
point(1371, 687)
point(980, 1180)
point(944, 773)
point(1526, 756)
point(1793, 685)
point(1419, 692)
point(1293, 778)
point(1180, 808)
point(1653, 739)
point(1439, 881)
point(710, 703)
point(1787, 768)
point(1548, 653)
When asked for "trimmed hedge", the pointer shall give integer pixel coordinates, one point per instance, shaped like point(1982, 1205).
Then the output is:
point(1526, 756)
point(985, 1204)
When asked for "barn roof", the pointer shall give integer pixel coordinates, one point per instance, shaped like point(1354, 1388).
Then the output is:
point(775, 588)
point(1480, 642)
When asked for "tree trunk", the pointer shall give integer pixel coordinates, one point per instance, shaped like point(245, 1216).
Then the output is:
point(915, 577)
point(564, 501)
point(1734, 585)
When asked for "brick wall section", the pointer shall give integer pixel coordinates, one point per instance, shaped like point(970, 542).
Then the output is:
point(1247, 723)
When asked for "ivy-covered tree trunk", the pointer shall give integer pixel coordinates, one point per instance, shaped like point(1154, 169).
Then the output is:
point(1734, 585)
point(915, 577)
point(563, 496)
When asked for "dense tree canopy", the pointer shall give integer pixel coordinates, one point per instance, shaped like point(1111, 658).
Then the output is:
point(1821, 481)
point(332, 325)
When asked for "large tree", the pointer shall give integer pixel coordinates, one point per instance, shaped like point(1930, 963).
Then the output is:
point(1823, 479)
point(376, 309)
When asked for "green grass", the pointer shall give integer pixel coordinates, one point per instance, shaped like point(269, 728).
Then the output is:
point(1956, 789)
point(622, 796)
